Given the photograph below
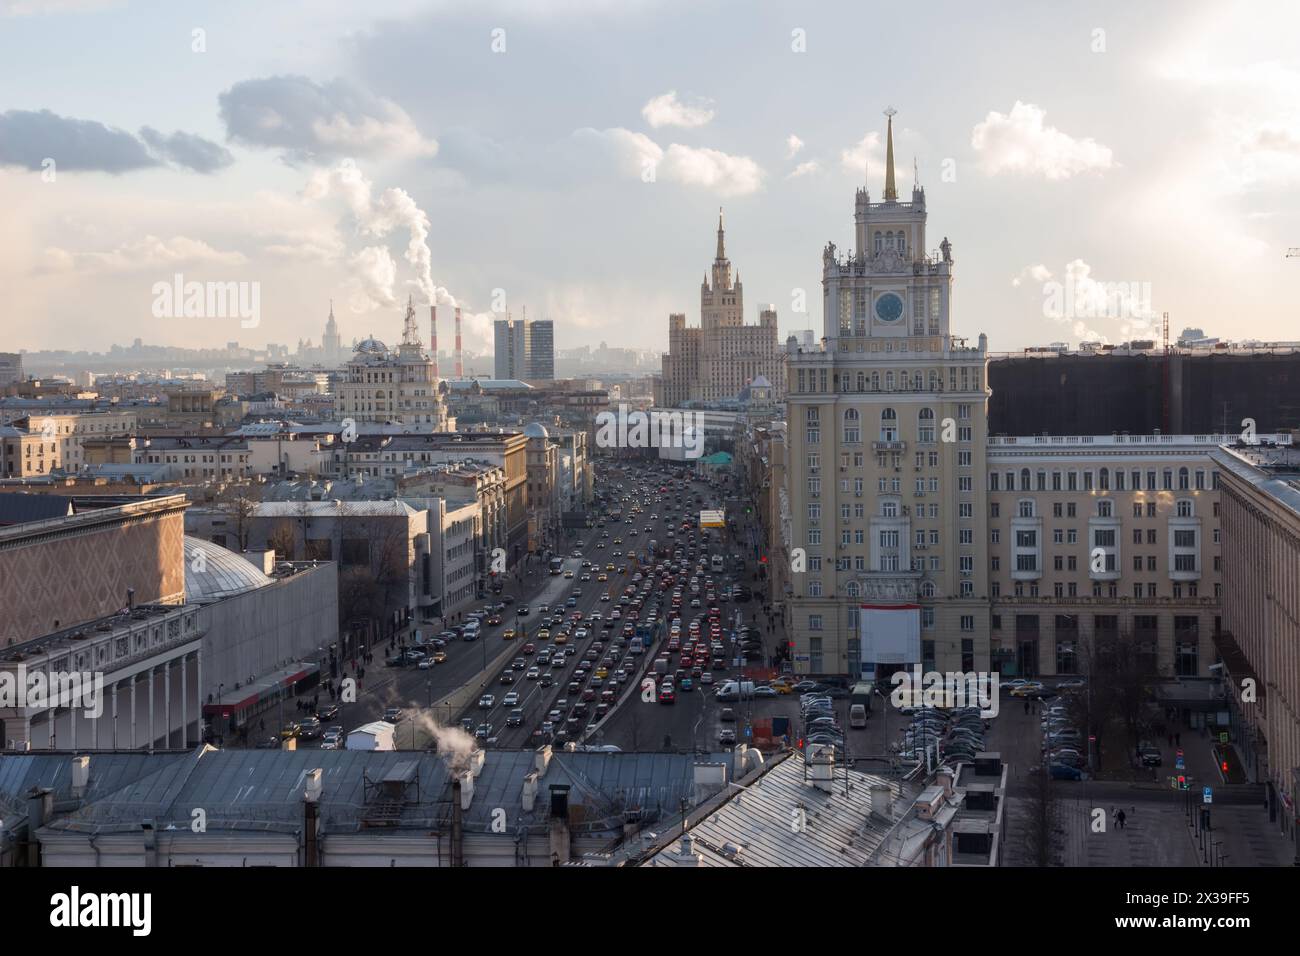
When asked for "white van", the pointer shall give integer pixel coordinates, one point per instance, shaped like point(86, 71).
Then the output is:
point(857, 716)
point(731, 690)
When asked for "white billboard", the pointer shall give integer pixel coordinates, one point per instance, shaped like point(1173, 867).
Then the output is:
point(889, 634)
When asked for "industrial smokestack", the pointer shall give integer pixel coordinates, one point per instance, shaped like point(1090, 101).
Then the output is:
point(433, 338)
point(460, 357)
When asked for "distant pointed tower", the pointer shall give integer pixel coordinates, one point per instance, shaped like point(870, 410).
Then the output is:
point(891, 192)
point(331, 344)
point(722, 301)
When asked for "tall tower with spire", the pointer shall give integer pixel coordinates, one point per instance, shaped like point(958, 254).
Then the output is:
point(891, 191)
point(722, 301)
point(331, 344)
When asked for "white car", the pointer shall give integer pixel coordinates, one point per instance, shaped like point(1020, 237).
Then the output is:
point(511, 699)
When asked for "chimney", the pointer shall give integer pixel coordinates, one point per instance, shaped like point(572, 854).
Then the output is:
point(686, 854)
point(40, 808)
point(80, 775)
point(476, 761)
point(457, 825)
point(738, 761)
point(559, 825)
point(433, 339)
point(529, 796)
point(311, 818)
point(466, 780)
point(882, 801)
point(460, 363)
point(944, 778)
point(130, 599)
point(821, 762)
point(542, 759)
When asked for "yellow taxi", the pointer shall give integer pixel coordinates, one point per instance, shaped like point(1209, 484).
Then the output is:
point(561, 638)
point(602, 576)
point(544, 634)
point(508, 633)
point(602, 673)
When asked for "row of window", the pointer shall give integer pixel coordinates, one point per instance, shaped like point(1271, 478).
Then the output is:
point(1103, 478)
point(1105, 508)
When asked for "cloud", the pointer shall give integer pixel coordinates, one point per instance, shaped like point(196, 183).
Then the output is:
point(28, 138)
point(1021, 143)
point(804, 169)
point(149, 252)
point(792, 146)
point(33, 8)
point(728, 175)
point(187, 150)
point(866, 151)
point(373, 273)
point(667, 110)
point(312, 122)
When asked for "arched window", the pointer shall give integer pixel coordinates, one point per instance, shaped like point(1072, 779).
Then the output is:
point(879, 243)
point(862, 382)
point(902, 244)
point(851, 589)
point(1103, 479)
point(889, 381)
point(927, 589)
point(934, 380)
point(852, 429)
point(888, 425)
point(889, 240)
point(916, 381)
point(875, 381)
point(925, 425)
point(1024, 479)
point(1184, 479)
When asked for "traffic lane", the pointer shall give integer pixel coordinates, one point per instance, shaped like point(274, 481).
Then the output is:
point(544, 698)
point(522, 736)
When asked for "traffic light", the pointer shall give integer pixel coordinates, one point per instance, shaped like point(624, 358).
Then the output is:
point(1182, 782)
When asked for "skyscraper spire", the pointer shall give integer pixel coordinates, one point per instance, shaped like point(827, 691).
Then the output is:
point(891, 193)
point(722, 252)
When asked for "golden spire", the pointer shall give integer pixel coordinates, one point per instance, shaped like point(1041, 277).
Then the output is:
point(891, 193)
point(722, 253)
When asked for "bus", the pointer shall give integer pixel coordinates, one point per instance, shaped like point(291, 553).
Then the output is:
point(557, 565)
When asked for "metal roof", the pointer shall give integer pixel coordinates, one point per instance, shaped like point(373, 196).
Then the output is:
point(219, 574)
point(839, 830)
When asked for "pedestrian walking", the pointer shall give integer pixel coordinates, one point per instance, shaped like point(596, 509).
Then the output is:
point(1122, 818)
point(1026, 705)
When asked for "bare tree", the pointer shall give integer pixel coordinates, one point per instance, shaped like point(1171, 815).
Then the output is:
point(282, 541)
point(238, 501)
point(1041, 819)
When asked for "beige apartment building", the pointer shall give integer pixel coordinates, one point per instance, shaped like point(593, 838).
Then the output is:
point(717, 360)
point(398, 386)
point(1260, 641)
point(1098, 536)
point(886, 426)
point(928, 542)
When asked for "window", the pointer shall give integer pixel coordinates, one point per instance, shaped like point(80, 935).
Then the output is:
point(1184, 479)
point(1104, 508)
point(1184, 508)
point(888, 425)
point(852, 427)
point(925, 425)
point(1026, 508)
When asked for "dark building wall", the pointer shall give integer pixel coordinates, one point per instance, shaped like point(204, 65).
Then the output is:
point(1101, 394)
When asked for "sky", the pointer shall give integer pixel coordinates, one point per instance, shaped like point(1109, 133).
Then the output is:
point(1093, 165)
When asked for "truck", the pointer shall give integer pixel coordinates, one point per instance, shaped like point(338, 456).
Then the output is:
point(861, 693)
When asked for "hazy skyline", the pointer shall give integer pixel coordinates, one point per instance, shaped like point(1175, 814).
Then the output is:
point(414, 147)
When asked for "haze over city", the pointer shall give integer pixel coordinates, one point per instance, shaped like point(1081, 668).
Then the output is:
point(1152, 145)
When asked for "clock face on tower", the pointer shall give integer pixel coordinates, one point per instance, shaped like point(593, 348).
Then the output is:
point(889, 307)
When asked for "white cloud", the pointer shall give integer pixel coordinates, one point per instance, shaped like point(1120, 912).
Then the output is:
point(867, 150)
point(635, 154)
point(668, 110)
point(1020, 142)
point(804, 169)
point(729, 175)
point(150, 252)
point(793, 144)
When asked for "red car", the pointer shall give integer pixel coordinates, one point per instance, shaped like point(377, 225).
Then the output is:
point(529, 649)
